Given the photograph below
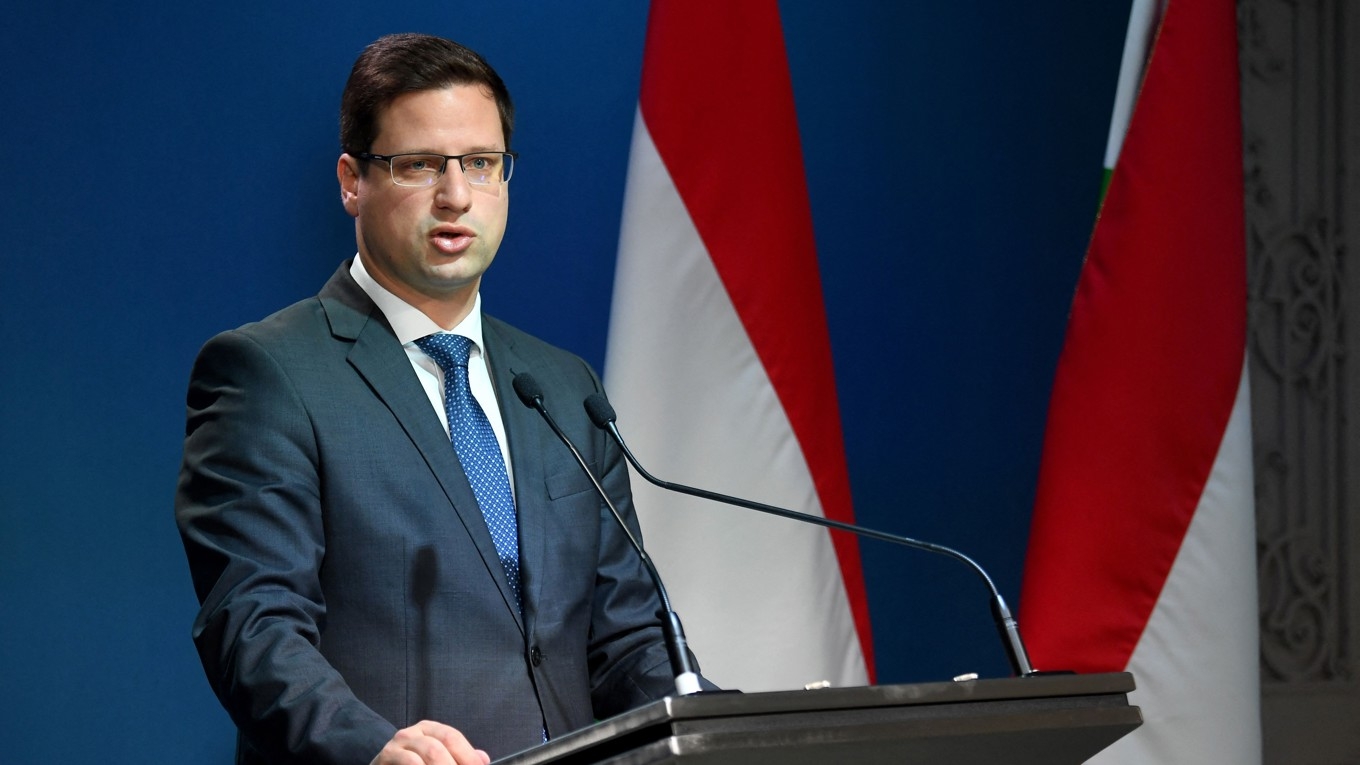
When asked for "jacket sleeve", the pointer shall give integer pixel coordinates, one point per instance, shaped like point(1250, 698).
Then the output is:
point(249, 513)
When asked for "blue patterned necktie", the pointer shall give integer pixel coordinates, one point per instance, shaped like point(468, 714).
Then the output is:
point(480, 454)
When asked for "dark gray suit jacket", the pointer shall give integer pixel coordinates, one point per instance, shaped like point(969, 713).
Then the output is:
point(349, 585)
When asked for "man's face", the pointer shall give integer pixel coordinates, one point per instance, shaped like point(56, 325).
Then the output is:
point(431, 243)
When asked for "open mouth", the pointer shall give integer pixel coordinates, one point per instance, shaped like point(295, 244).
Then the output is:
point(452, 241)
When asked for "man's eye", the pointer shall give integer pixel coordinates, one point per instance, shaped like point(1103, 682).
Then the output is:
point(417, 165)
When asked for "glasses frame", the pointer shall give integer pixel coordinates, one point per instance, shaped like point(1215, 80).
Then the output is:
point(391, 173)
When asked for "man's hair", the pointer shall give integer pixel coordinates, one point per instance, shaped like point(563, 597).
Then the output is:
point(408, 63)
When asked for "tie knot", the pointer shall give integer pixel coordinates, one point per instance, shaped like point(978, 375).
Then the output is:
point(447, 350)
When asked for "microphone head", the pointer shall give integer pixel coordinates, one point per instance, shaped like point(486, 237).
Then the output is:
point(600, 411)
point(527, 388)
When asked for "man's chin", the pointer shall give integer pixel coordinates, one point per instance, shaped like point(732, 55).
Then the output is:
point(454, 277)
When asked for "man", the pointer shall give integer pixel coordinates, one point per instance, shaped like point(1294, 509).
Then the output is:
point(371, 591)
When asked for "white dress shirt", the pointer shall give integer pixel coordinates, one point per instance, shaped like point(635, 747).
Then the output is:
point(411, 324)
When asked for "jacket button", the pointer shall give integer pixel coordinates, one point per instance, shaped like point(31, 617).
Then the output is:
point(535, 656)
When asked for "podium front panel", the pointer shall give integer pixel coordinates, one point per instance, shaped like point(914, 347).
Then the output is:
point(1015, 721)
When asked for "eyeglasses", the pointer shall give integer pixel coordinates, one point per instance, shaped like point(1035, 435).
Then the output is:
point(480, 169)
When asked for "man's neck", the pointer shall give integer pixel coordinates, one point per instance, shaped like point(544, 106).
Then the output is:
point(445, 309)
point(399, 300)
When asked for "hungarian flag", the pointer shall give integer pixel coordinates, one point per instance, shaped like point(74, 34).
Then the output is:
point(1142, 551)
point(719, 359)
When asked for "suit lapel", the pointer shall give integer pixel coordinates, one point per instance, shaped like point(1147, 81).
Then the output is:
point(381, 361)
point(527, 439)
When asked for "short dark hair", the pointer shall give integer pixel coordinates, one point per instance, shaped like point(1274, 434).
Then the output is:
point(408, 63)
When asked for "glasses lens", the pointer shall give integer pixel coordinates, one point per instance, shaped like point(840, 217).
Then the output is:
point(487, 169)
point(416, 169)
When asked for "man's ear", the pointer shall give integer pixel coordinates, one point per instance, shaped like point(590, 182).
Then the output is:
point(347, 172)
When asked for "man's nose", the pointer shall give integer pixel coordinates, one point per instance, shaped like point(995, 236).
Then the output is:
point(452, 189)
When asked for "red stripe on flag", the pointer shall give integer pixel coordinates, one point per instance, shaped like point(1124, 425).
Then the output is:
point(718, 102)
point(1152, 359)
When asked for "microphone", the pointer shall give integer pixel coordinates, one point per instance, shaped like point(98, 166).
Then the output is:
point(686, 679)
point(602, 413)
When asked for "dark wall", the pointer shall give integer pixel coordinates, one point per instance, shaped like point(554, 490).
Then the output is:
point(170, 174)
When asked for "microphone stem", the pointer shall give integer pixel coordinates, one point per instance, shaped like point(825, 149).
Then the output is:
point(1001, 614)
point(686, 679)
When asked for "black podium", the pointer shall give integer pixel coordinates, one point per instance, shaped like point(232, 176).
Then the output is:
point(1041, 720)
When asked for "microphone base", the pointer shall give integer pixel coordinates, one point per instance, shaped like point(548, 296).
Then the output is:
point(687, 684)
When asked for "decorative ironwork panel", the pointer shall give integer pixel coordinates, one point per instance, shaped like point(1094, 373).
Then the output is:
point(1300, 64)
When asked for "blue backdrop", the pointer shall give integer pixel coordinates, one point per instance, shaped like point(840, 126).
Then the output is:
point(170, 174)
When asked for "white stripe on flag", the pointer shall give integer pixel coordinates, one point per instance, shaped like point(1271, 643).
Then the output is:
point(1143, 19)
point(761, 598)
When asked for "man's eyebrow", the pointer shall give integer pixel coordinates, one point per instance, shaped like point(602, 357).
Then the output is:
point(473, 150)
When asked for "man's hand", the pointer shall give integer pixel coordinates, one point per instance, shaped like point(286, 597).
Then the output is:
point(430, 743)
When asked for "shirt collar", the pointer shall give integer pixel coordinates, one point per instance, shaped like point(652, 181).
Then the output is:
point(407, 321)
